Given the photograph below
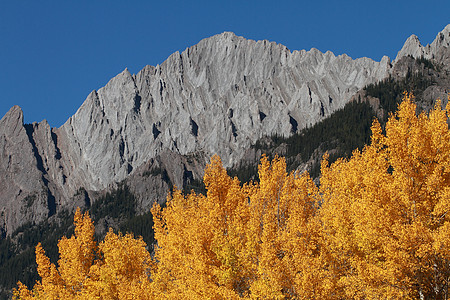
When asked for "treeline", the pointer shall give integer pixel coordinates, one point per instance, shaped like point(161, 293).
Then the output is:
point(120, 208)
point(119, 204)
point(345, 130)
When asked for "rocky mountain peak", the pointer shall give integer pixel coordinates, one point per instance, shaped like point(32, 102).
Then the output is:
point(12, 121)
point(218, 96)
point(24, 189)
point(443, 38)
point(435, 50)
point(411, 47)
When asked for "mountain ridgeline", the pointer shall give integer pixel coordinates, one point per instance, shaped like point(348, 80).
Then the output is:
point(349, 128)
point(133, 140)
point(217, 97)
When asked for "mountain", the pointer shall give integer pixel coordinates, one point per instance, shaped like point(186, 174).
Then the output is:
point(216, 97)
point(159, 127)
point(437, 50)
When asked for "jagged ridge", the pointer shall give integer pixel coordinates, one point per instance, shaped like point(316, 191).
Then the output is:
point(218, 96)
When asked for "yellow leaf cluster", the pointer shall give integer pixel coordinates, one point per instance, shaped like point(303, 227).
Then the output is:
point(117, 268)
point(376, 227)
point(257, 241)
point(385, 209)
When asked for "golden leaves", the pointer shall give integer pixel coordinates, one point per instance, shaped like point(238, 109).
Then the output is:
point(384, 209)
point(258, 240)
point(378, 226)
point(118, 268)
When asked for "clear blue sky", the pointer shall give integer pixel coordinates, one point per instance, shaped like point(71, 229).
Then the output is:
point(54, 53)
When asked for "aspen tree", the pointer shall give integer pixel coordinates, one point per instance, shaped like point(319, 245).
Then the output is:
point(255, 241)
point(118, 268)
point(385, 209)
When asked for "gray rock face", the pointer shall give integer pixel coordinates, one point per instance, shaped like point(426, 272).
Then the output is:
point(439, 53)
point(437, 50)
point(218, 96)
point(24, 192)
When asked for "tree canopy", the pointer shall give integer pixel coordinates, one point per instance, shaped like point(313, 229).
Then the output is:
point(376, 227)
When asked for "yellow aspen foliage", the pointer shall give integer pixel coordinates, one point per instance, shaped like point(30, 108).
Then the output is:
point(123, 270)
point(118, 268)
point(384, 210)
point(199, 239)
point(257, 241)
point(76, 258)
point(290, 257)
point(377, 227)
point(76, 254)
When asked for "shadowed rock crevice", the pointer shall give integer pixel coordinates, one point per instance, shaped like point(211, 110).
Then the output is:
point(55, 141)
point(294, 124)
point(155, 132)
point(29, 128)
point(51, 200)
point(233, 130)
point(194, 128)
point(137, 104)
point(230, 113)
point(262, 116)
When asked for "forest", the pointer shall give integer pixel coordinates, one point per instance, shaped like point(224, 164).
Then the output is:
point(376, 227)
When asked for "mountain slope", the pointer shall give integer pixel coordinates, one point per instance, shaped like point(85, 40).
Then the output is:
point(219, 96)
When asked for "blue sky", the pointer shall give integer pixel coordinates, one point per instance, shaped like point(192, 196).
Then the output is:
point(54, 53)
